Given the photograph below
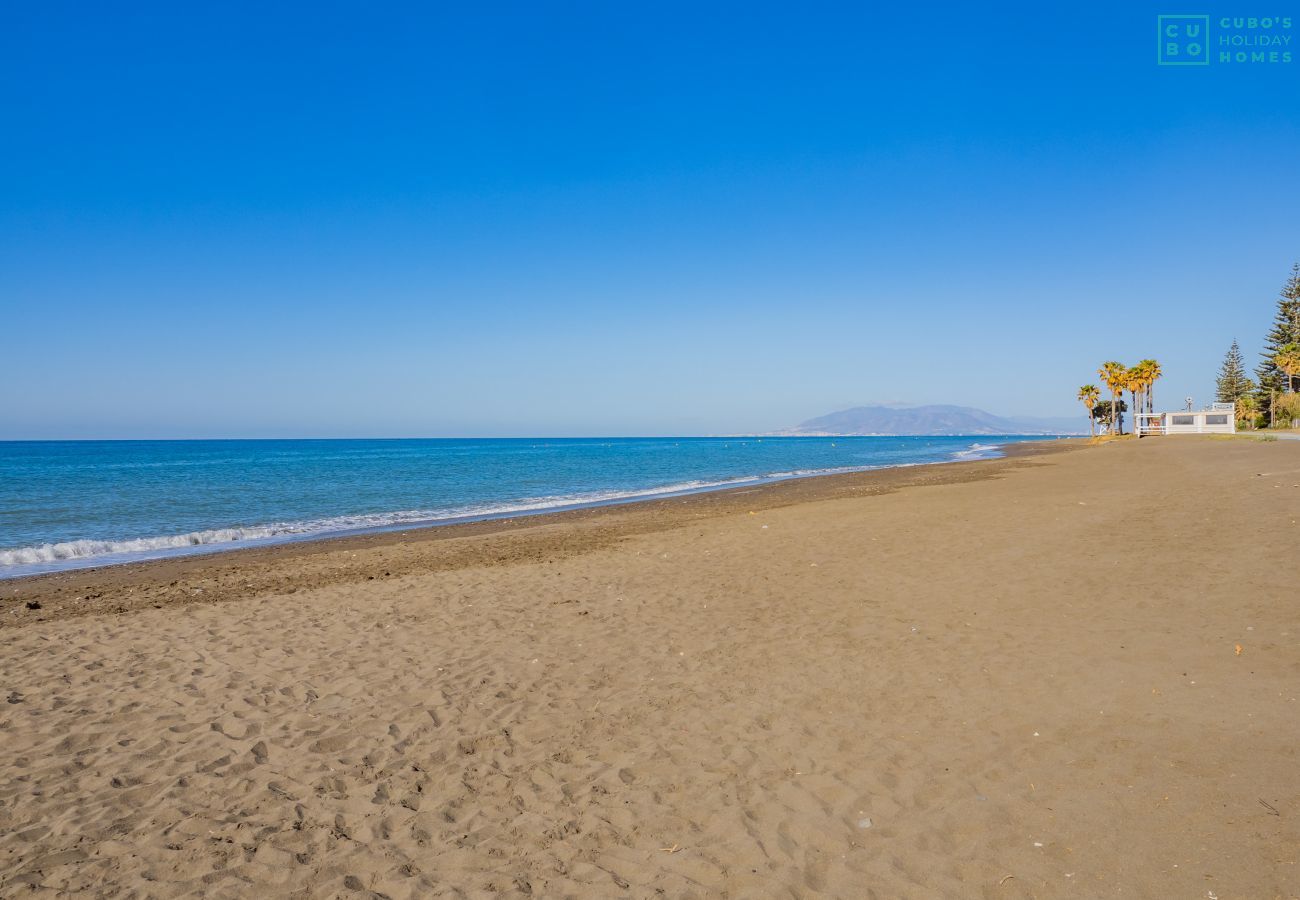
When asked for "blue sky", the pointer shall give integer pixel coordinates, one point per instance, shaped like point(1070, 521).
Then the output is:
point(498, 219)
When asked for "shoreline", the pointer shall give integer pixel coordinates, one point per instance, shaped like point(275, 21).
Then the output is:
point(81, 590)
point(976, 452)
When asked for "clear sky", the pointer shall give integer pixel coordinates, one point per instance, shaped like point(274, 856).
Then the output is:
point(616, 218)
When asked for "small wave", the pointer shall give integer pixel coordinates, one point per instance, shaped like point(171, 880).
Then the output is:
point(975, 451)
point(82, 549)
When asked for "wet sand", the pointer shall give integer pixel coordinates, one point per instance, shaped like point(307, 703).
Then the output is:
point(1072, 672)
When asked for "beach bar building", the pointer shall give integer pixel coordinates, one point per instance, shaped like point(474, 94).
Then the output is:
point(1218, 418)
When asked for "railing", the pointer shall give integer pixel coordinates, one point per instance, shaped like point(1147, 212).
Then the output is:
point(1148, 423)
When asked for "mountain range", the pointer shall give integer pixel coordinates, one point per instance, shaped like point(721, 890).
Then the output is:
point(932, 420)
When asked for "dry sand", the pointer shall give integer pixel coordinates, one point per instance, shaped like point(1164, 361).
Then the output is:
point(1064, 674)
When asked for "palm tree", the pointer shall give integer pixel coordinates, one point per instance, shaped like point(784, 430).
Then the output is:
point(1287, 359)
point(1151, 374)
point(1113, 376)
point(1247, 409)
point(1134, 381)
point(1088, 395)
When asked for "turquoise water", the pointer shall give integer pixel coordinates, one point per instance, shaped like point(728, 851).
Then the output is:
point(69, 504)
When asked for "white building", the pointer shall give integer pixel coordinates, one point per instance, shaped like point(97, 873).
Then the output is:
point(1218, 418)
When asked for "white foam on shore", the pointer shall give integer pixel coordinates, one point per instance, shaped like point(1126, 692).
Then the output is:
point(63, 555)
point(976, 451)
point(68, 551)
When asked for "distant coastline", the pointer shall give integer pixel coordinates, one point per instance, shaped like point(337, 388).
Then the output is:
point(899, 434)
point(930, 420)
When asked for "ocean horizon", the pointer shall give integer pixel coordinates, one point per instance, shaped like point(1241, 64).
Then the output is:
point(81, 503)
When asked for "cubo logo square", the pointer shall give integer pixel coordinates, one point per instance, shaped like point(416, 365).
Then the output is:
point(1183, 40)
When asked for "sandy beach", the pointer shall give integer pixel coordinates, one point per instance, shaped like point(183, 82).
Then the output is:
point(1071, 672)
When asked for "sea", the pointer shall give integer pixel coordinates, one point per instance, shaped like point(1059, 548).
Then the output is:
point(74, 504)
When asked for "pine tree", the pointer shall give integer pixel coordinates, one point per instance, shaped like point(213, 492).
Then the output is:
point(1232, 382)
point(1285, 330)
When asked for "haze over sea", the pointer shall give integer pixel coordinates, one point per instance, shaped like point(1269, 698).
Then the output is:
point(70, 504)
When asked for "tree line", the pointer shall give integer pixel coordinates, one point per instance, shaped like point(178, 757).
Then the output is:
point(1272, 398)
